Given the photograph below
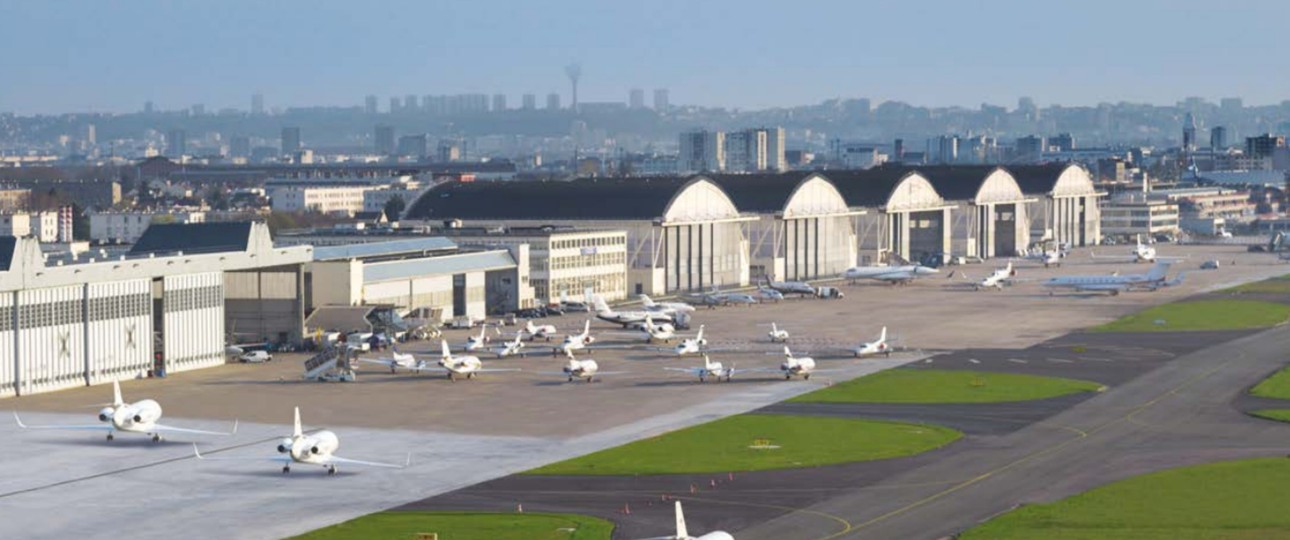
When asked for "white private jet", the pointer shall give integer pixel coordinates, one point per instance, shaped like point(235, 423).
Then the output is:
point(764, 294)
point(877, 346)
point(475, 343)
point(536, 331)
point(777, 334)
point(582, 369)
point(1116, 284)
point(708, 369)
point(896, 275)
point(657, 331)
point(465, 365)
point(138, 417)
point(625, 318)
point(512, 348)
point(694, 345)
point(796, 365)
point(1140, 253)
point(670, 308)
point(578, 342)
point(317, 448)
point(800, 288)
point(997, 279)
point(682, 533)
point(398, 360)
point(1047, 258)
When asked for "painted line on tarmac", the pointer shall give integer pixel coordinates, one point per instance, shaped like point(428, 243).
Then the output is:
point(846, 525)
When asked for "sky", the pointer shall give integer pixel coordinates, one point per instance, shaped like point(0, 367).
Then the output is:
point(113, 55)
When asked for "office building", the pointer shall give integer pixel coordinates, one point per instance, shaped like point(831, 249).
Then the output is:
point(553, 102)
point(1030, 149)
point(943, 149)
point(499, 102)
point(91, 135)
point(636, 98)
point(660, 99)
point(370, 104)
point(239, 146)
point(290, 140)
point(384, 140)
point(703, 151)
point(1133, 213)
point(755, 150)
point(1189, 133)
point(128, 227)
point(1262, 146)
point(530, 102)
point(1064, 142)
point(448, 151)
point(396, 105)
point(413, 146)
point(342, 200)
point(1218, 138)
point(176, 143)
point(257, 104)
point(410, 103)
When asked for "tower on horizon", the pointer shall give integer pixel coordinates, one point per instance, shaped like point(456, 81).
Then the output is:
point(574, 72)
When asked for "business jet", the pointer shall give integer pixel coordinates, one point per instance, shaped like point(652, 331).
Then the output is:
point(582, 369)
point(1140, 253)
point(670, 308)
point(664, 332)
point(777, 334)
point(398, 360)
point(796, 365)
point(1116, 284)
point(896, 275)
point(625, 318)
point(800, 288)
point(512, 348)
point(463, 365)
point(317, 448)
point(708, 369)
point(138, 417)
point(682, 533)
point(997, 279)
point(764, 294)
point(475, 343)
point(877, 346)
point(576, 342)
point(694, 345)
point(536, 331)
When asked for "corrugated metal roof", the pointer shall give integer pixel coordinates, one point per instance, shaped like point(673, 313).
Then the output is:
point(377, 249)
point(194, 237)
point(586, 198)
point(437, 266)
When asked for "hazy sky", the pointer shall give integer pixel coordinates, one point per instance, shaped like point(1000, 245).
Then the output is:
point(112, 55)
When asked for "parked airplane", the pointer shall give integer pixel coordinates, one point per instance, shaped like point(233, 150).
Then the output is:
point(669, 308)
point(397, 360)
point(1140, 253)
point(582, 369)
point(577, 342)
point(777, 334)
point(625, 318)
point(997, 279)
point(513, 347)
point(317, 448)
point(708, 369)
point(536, 331)
point(768, 295)
point(475, 343)
point(801, 288)
point(657, 331)
point(900, 274)
point(694, 345)
point(138, 417)
point(683, 533)
point(877, 346)
point(1047, 258)
point(796, 365)
point(1115, 284)
point(465, 365)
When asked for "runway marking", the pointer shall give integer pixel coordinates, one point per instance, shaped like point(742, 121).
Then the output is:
point(1038, 453)
point(846, 525)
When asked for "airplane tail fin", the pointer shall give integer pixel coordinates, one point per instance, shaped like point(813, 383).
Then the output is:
point(1176, 281)
point(586, 328)
point(446, 352)
point(787, 352)
point(588, 296)
point(681, 531)
point(116, 394)
point(296, 431)
point(707, 362)
point(882, 337)
point(700, 336)
point(646, 301)
point(601, 306)
point(1158, 270)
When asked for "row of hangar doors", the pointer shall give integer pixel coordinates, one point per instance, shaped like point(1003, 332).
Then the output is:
point(927, 232)
point(78, 335)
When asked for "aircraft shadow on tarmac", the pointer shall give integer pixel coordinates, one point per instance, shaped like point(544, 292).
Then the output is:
point(695, 382)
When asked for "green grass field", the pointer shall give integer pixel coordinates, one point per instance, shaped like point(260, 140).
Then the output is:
point(1276, 386)
point(1244, 499)
point(723, 446)
point(466, 526)
point(1280, 415)
point(1201, 315)
point(945, 386)
point(1277, 285)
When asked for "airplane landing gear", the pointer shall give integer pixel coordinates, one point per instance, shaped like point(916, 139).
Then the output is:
point(331, 471)
point(806, 377)
point(156, 437)
point(286, 469)
point(571, 378)
point(787, 376)
point(110, 436)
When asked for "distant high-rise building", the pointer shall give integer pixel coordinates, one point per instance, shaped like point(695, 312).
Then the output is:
point(530, 102)
point(413, 146)
point(199, 110)
point(410, 103)
point(1030, 148)
point(395, 104)
point(1064, 142)
point(553, 101)
point(370, 104)
point(636, 98)
point(176, 143)
point(755, 150)
point(943, 149)
point(1189, 133)
point(702, 151)
point(384, 140)
point(91, 134)
point(239, 146)
point(1218, 138)
point(290, 140)
point(1027, 107)
point(257, 104)
point(1231, 104)
point(499, 102)
point(448, 151)
point(1263, 145)
point(898, 150)
point(147, 107)
point(660, 99)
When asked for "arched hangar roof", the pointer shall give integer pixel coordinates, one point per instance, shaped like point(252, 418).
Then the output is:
point(1054, 179)
point(980, 184)
point(890, 189)
point(790, 194)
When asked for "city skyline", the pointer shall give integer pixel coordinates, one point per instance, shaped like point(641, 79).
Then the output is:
point(218, 56)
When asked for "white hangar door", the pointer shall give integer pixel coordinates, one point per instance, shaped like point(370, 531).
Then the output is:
point(118, 330)
point(51, 339)
point(8, 362)
point(926, 234)
point(192, 325)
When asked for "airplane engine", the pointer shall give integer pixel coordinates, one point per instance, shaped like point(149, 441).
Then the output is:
point(284, 446)
point(313, 450)
point(105, 415)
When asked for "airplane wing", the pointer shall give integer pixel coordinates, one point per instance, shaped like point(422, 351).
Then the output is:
point(280, 458)
point(158, 428)
point(692, 371)
point(345, 461)
point(386, 363)
point(88, 427)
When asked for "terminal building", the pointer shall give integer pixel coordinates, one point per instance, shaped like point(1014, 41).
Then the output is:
point(564, 262)
point(160, 308)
